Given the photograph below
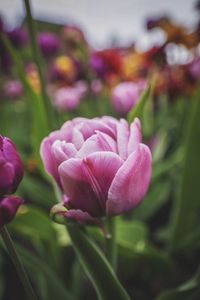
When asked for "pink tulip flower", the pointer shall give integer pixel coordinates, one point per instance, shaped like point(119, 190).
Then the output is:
point(101, 166)
point(126, 94)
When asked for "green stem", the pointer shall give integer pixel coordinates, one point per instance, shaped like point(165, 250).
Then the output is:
point(37, 58)
point(111, 246)
point(17, 263)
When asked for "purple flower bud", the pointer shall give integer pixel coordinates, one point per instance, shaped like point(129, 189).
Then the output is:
point(8, 209)
point(11, 167)
point(48, 42)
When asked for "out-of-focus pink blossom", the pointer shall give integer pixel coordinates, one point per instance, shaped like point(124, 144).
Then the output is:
point(68, 98)
point(101, 165)
point(96, 86)
point(13, 89)
point(126, 94)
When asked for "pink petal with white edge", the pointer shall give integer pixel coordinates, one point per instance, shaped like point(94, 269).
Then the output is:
point(63, 151)
point(49, 159)
point(131, 182)
point(89, 127)
point(122, 138)
point(77, 187)
point(101, 168)
point(97, 142)
point(135, 136)
point(77, 138)
point(86, 182)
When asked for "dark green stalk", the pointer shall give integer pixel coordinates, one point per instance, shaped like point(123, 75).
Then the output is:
point(38, 60)
point(111, 246)
point(17, 263)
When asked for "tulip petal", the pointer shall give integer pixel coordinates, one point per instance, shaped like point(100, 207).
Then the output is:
point(102, 167)
point(77, 138)
point(97, 142)
point(86, 181)
point(89, 127)
point(131, 182)
point(63, 151)
point(81, 217)
point(7, 175)
point(49, 160)
point(77, 187)
point(122, 138)
point(135, 136)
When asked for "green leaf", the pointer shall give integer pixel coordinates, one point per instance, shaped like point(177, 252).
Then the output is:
point(37, 191)
point(156, 197)
point(137, 252)
point(49, 285)
point(187, 207)
point(187, 291)
point(35, 226)
point(138, 109)
point(40, 127)
point(96, 266)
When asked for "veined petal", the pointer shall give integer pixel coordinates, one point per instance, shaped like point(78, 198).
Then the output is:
point(101, 168)
point(89, 127)
point(135, 135)
point(77, 187)
point(96, 143)
point(77, 138)
point(131, 182)
point(122, 138)
point(86, 182)
point(63, 151)
point(49, 159)
point(82, 217)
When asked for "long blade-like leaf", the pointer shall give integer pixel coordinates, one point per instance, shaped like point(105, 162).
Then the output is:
point(96, 266)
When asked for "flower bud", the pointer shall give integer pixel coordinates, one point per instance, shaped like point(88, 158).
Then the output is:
point(11, 167)
point(8, 209)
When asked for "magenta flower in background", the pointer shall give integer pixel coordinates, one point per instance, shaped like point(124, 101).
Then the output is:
point(8, 209)
point(126, 94)
point(13, 89)
point(101, 165)
point(68, 98)
point(49, 43)
point(11, 167)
